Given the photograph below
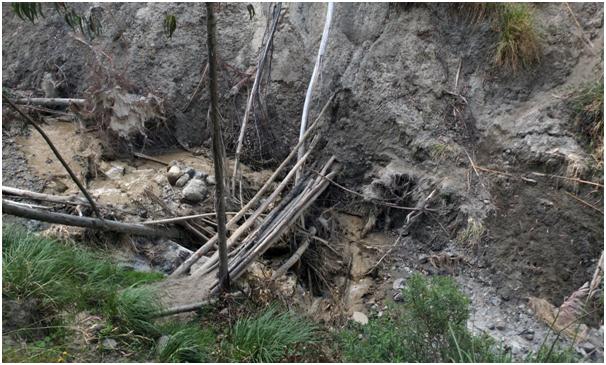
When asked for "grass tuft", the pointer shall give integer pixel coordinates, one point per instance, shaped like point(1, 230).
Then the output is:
point(518, 45)
point(268, 337)
point(588, 108)
point(472, 234)
point(186, 343)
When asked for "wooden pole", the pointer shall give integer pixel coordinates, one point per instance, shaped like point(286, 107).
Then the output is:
point(57, 154)
point(87, 222)
point(211, 25)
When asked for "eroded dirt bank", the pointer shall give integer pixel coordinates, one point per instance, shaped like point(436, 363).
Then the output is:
point(503, 231)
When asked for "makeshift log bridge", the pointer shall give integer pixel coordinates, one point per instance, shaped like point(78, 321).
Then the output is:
point(188, 292)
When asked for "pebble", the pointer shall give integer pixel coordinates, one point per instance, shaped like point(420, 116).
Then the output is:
point(423, 258)
point(399, 284)
point(116, 172)
point(210, 180)
point(500, 325)
point(360, 317)
point(173, 174)
point(195, 191)
point(182, 180)
point(162, 342)
point(109, 344)
point(398, 297)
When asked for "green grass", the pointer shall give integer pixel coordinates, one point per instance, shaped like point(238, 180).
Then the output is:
point(60, 274)
point(518, 45)
point(588, 109)
point(187, 343)
point(268, 337)
point(63, 279)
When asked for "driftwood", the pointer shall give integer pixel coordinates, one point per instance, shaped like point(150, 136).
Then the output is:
point(72, 199)
point(253, 92)
point(275, 224)
point(314, 76)
point(87, 222)
point(186, 225)
point(149, 158)
point(50, 101)
point(294, 258)
point(204, 74)
point(251, 220)
point(182, 269)
point(57, 154)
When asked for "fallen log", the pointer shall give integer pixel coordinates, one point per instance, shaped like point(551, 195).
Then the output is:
point(71, 199)
point(87, 222)
point(50, 101)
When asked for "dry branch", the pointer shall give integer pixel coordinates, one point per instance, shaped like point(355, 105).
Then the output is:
point(72, 199)
point(50, 101)
point(251, 220)
point(87, 222)
point(253, 92)
point(149, 158)
point(294, 258)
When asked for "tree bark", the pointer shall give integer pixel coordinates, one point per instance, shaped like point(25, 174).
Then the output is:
point(87, 222)
point(211, 25)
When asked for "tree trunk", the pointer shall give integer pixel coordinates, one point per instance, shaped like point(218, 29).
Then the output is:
point(314, 77)
point(211, 25)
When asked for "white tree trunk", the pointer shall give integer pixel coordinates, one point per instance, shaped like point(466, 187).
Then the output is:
point(314, 77)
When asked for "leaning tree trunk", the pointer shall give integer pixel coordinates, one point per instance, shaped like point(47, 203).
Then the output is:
point(314, 77)
point(211, 25)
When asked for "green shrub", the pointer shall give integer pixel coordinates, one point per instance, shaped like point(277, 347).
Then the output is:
point(61, 274)
point(268, 337)
point(429, 326)
point(187, 343)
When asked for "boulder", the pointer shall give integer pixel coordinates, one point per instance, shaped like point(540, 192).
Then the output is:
point(195, 191)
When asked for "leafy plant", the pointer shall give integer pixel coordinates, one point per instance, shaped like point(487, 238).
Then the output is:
point(268, 337)
point(89, 26)
point(170, 25)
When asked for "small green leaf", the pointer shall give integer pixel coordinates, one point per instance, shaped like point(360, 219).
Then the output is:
point(170, 25)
